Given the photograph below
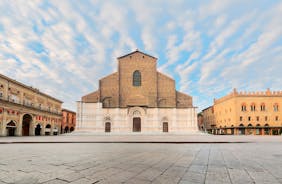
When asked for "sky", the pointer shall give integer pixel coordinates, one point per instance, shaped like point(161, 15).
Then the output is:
point(209, 47)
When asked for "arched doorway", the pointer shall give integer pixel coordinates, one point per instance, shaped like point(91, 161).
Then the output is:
point(250, 129)
point(241, 129)
point(48, 129)
point(37, 130)
point(232, 129)
point(11, 128)
point(71, 129)
point(66, 129)
point(258, 129)
point(136, 124)
point(165, 126)
point(266, 129)
point(27, 119)
point(107, 127)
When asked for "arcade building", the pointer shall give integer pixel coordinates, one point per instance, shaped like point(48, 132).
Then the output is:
point(26, 111)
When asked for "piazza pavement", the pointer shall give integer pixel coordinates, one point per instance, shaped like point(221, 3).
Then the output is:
point(134, 158)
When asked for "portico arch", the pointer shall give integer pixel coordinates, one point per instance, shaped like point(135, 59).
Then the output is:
point(11, 128)
point(26, 125)
point(136, 115)
point(48, 129)
point(37, 130)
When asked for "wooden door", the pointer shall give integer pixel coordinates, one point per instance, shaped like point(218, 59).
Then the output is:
point(165, 127)
point(136, 124)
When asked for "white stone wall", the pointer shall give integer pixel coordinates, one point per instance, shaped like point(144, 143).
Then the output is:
point(92, 117)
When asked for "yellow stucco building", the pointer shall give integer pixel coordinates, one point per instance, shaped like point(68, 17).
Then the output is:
point(245, 113)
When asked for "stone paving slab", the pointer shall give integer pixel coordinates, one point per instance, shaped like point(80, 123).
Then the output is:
point(141, 138)
point(256, 162)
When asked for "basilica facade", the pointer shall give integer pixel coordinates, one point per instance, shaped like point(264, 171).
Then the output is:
point(136, 98)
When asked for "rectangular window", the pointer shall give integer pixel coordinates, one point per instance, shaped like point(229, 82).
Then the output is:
point(249, 118)
point(265, 118)
point(276, 118)
point(241, 118)
point(1, 94)
point(257, 118)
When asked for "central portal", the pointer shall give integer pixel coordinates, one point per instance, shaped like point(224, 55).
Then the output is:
point(136, 124)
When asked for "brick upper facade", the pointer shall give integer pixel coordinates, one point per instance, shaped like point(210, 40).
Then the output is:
point(156, 89)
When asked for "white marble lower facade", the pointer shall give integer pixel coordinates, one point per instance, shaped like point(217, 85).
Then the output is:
point(92, 117)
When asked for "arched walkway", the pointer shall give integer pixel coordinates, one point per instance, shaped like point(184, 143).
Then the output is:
point(37, 130)
point(66, 129)
point(26, 123)
point(11, 128)
point(48, 129)
point(241, 129)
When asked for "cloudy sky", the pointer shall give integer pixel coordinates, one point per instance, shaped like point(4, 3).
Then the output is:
point(209, 47)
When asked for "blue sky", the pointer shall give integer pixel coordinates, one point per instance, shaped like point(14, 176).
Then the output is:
point(209, 47)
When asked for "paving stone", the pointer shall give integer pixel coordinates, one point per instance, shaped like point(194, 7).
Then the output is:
point(71, 177)
point(149, 174)
point(258, 162)
point(175, 171)
point(217, 175)
point(162, 179)
point(56, 181)
point(263, 177)
point(83, 181)
point(239, 176)
point(198, 168)
point(193, 177)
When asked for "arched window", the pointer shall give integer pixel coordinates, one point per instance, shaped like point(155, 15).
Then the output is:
point(262, 107)
point(136, 78)
point(243, 107)
point(253, 107)
point(275, 107)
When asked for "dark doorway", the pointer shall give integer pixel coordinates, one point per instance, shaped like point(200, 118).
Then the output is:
point(136, 124)
point(165, 126)
point(11, 128)
point(66, 129)
point(71, 129)
point(26, 124)
point(107, 127)
point(37, 129)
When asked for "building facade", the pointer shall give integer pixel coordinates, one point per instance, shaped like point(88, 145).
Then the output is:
point(26, 111)
point(68, 122)
point(246, 113)
point(136, 98)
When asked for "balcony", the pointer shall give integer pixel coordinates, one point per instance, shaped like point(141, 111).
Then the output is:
point(30, 105)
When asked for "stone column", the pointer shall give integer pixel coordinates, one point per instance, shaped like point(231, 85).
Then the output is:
point(31, 127)
point(19, 126)
point(4, 122)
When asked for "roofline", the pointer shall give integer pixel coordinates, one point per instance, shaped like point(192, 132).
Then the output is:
point(136, 52)
point(63, 109)
point(29, 87)
point(207, 108)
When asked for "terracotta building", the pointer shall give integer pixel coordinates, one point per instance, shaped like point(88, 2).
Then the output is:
point(27, 111)
point(136, 98)
point(68, 122)
point(246, 113)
